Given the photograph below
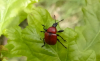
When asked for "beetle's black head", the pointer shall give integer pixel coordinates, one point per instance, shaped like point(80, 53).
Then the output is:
point(56, 23)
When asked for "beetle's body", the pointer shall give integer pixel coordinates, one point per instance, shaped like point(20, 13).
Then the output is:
point(51, 36)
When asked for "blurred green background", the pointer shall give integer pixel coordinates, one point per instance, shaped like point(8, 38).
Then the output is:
point(69, 10)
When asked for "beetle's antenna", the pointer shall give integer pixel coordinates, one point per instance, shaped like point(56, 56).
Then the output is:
point(56, 23)
point(60, 20)
point(55, 18)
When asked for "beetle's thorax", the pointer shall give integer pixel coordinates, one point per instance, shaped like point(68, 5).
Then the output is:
point(52, 30)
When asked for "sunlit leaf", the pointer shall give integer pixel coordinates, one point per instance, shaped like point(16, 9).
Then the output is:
point(12, 12)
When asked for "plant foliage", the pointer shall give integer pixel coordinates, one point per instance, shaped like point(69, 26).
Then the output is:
point(12, 12)
point(82, 44)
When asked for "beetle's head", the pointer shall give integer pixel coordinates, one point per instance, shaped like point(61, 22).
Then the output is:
point(56, 23)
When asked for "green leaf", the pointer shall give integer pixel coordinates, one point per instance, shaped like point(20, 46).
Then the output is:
point(12, 12)
point(89, 34)
point(27, 42)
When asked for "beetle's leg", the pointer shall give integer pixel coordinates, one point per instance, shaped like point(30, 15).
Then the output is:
point(42, 31)
point(44, 27)
point(44, 43)
point(60, 31)
point(60, 36)
point(61, 43)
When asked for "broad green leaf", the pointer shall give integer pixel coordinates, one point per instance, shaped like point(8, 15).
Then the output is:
point(89, 34)
point(27, 42)
point(12, 12)
point(74, 52)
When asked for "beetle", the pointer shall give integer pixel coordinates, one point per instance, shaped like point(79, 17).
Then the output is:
point(51, 34)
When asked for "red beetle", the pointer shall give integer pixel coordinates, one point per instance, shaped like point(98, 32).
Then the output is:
point(50, 34)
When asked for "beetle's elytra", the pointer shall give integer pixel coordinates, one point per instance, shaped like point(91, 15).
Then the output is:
point(50, 34)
